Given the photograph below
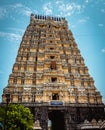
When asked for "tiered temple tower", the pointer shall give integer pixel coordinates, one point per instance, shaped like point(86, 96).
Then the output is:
point(51, 78)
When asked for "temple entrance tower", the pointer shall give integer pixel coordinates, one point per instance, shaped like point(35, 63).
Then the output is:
point(50, 77)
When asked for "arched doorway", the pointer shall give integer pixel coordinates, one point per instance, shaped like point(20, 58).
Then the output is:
point(57, 120)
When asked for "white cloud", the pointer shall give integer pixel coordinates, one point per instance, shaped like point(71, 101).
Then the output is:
point(72, 26)
point(103, 10)
point(16, 30)
point(84, 20)
point(103, 50)
point(11, 36)
point(58, 2)
point(17, 5)
point(100, 25)
point(21, 9)
point(47, 8)
point(62, 8)
point(18, 8)
point(26, 12)
point(87, 1)
point(68, 9)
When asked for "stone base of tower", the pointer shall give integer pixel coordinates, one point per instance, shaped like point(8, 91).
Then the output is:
point(69, 117)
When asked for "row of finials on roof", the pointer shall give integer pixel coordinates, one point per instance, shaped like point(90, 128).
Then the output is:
point(47, 17)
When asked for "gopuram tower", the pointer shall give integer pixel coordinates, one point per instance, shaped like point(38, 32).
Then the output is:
point(50, 77)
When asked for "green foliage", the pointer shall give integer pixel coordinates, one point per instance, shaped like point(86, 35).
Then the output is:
point(16, 117)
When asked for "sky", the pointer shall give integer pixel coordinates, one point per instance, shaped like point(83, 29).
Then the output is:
point(86, 20)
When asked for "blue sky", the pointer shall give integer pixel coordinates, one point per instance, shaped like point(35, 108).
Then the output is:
point(86, 20)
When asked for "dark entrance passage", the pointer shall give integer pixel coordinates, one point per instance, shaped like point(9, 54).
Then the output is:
point(57, 119)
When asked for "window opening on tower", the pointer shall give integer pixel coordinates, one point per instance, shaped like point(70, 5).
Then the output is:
point(55, 96)
point(50, 41)
point(53, 79)
point(36, 58)
point(49, 26)
point(52, 57)
point(53, 65)
point(50, 35)
point(51, 48)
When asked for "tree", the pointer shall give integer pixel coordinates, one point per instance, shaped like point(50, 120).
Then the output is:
point(17, 117)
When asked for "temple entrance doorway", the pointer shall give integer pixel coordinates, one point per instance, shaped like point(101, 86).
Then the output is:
point(57, 119)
